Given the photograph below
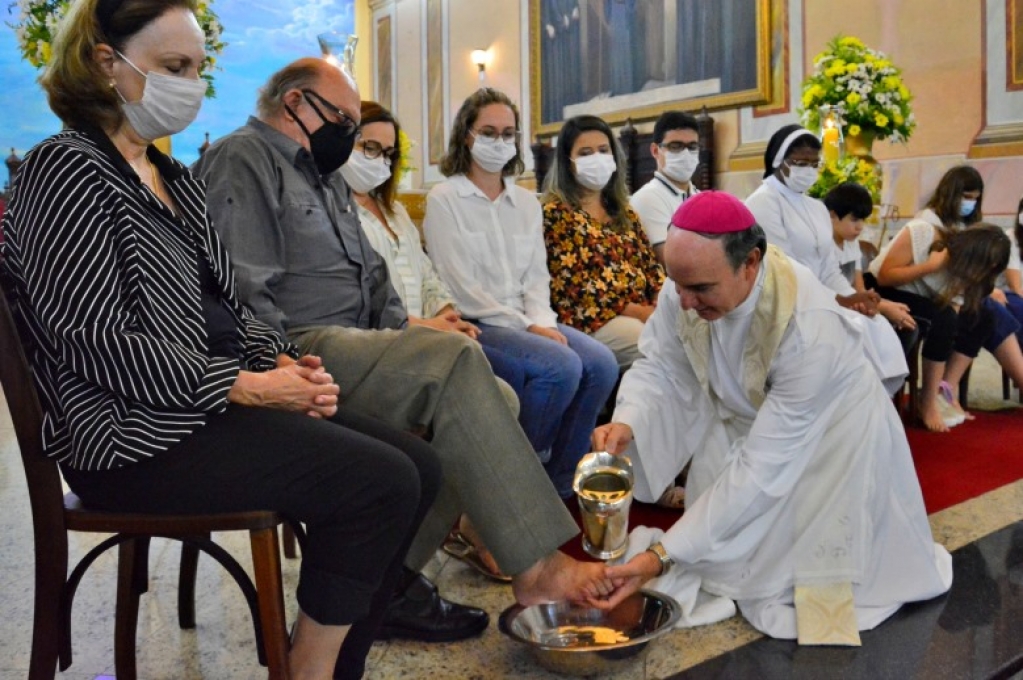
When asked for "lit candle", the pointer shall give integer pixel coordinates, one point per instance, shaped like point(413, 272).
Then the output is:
point(829, 140)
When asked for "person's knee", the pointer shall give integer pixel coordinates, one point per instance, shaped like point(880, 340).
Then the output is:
point(509, 395)
point(399, 485)
point(599, 364)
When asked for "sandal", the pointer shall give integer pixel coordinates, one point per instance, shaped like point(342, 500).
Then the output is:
point(461, 548)
point(673, 498)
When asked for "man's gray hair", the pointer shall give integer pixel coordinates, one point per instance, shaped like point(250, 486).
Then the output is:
point(300, 75)
point(739, 244)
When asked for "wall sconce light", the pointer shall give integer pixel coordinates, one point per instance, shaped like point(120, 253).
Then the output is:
point(480, 58)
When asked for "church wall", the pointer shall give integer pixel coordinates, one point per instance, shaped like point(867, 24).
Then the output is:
point(943, 46)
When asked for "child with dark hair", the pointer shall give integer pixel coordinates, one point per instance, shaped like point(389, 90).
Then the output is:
point(849, 204)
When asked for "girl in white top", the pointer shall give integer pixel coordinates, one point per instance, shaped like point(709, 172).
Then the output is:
point(485, 235)
point(943, 278)
point(955, 207)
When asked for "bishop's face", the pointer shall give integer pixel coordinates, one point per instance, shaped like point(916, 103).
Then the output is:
point(704, 279)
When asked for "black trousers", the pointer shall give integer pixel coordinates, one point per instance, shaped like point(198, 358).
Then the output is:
point(946, 330)
point(360, 487)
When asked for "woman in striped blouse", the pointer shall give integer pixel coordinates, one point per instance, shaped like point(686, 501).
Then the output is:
point(161, 391)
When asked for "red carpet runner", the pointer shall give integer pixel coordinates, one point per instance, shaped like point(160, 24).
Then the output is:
point(974, 458)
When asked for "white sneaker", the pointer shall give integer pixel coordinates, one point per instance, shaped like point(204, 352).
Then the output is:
point(949, 414)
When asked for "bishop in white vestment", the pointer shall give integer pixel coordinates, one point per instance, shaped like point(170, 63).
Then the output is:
point(801, 487)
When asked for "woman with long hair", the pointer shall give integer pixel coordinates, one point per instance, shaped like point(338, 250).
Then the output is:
point(957, 205)
point(944, 277)
point(371, 172)
point(485, 235)
point(604, 274)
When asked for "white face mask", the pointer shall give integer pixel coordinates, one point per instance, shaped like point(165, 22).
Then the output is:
point(800, 179)
point(363, 174)
point(492, 154)
point(1021, 218)
point(594, 171)
point(680, 165)
point(169, 104)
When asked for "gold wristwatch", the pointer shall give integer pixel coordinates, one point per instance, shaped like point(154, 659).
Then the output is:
point(662, 556)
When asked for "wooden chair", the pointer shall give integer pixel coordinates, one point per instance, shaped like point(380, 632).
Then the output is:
point(908, 404)
point(54, 514)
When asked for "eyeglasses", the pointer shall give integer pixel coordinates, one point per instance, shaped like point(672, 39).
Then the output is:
point(349, 126)
point(508, 136)
point(675, 147)
point(373, 150)
point(816, 165)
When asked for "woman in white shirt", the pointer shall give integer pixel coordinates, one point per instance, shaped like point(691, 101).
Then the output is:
point(485, 235)
point(371, 172)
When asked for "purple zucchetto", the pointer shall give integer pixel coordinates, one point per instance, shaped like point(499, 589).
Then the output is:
point(713, 212)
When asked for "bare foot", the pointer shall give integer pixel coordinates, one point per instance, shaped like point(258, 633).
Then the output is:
point(560, 577)
point(931, 417)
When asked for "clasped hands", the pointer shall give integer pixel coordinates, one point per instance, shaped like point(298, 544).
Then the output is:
point(865, 303)
point(303, 385)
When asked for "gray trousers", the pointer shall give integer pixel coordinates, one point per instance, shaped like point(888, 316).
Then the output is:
point(423, 379)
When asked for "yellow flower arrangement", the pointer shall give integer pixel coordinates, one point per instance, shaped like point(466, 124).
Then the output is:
point(848, 169)
point(38, 19)
point(405, 150)
point(863, 86)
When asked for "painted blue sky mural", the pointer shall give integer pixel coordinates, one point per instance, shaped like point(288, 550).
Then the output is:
point(261, 36)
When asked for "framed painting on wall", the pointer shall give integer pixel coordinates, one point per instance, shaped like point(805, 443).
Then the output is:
point(383, 65)
point(1014, 44)
point(623, 59)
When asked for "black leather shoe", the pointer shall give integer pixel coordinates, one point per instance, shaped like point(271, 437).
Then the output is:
point(420, 613)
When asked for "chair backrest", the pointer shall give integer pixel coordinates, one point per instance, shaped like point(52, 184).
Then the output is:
point(46, 494)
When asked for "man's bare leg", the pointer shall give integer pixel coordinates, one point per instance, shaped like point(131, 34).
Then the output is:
point(314, 649)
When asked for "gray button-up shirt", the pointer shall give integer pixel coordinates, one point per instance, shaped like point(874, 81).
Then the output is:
point(300, 256)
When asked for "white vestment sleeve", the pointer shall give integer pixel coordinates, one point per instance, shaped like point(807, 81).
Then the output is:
point(661, 400)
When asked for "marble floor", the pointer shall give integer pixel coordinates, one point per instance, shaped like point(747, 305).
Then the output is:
point(221, 648)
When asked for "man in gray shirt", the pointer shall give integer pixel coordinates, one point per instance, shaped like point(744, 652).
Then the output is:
point(305, 267)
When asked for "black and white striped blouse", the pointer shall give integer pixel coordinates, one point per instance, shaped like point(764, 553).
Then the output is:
point(105, 277)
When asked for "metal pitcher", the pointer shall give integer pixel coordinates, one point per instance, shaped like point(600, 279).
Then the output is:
point(603, 483)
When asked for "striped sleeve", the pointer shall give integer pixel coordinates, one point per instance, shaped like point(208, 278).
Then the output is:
point(77, 265)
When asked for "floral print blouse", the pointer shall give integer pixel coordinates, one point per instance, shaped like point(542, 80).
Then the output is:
point(595, 270)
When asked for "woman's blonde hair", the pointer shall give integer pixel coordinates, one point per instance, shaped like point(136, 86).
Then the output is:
point(77, 89)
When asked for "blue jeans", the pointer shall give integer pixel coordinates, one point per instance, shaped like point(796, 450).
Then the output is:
point(1006, 320)
point(561, 390)
point(1014, 303)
